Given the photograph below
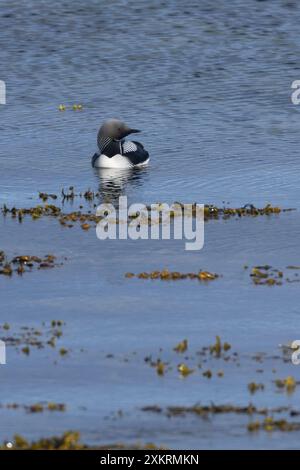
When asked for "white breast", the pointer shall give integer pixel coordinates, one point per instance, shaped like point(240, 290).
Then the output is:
point(117, 161)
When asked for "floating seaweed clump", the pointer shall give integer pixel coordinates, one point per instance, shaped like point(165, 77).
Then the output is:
point(213, 212)
point(210, 212)
point(50, 210)
point(88, 195)
point(63, 351)
point(213, 409)
point(270, 424)
point(182, 346)
point(69, 440)
point(267, 275)
point(70, 195)
point(36, 407)
point(219, 347)
point(185, 370)
point(166, 275)
point(159, 365)
point(160, 368)
point(45, 196)
point(68, 220)
point(40, 407)
point(254, 387)
point(30, 337)
point(36, 212)
point(218, 350)
point(208, 374)
point(288, 384)
point(24, 263)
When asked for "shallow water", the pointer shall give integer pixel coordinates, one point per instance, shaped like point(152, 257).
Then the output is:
point(210, 87)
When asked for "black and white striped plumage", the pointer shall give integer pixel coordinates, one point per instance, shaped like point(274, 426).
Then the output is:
point(117, 152)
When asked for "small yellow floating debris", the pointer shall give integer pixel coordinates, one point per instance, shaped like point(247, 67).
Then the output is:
point(26, 350)
point(289, 383)
point(7, 270)
point(36, 408)
point(160, 368)
point(85, 226)
point(56, 406)
point(63, 351)
point(182, 346)
point(129, 275)
point(253, 387)
point(253, 426)
point(185, 370)
point(62, 107)
point(206, 276)
point(217, 348)
point(258, 273)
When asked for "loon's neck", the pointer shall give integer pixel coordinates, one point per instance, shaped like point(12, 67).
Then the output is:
point(103, 142)
point(110, 145)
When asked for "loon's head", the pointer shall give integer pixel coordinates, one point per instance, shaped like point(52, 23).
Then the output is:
point(115, 129)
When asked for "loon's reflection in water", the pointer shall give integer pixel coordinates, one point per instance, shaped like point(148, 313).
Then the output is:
point(115, 182)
